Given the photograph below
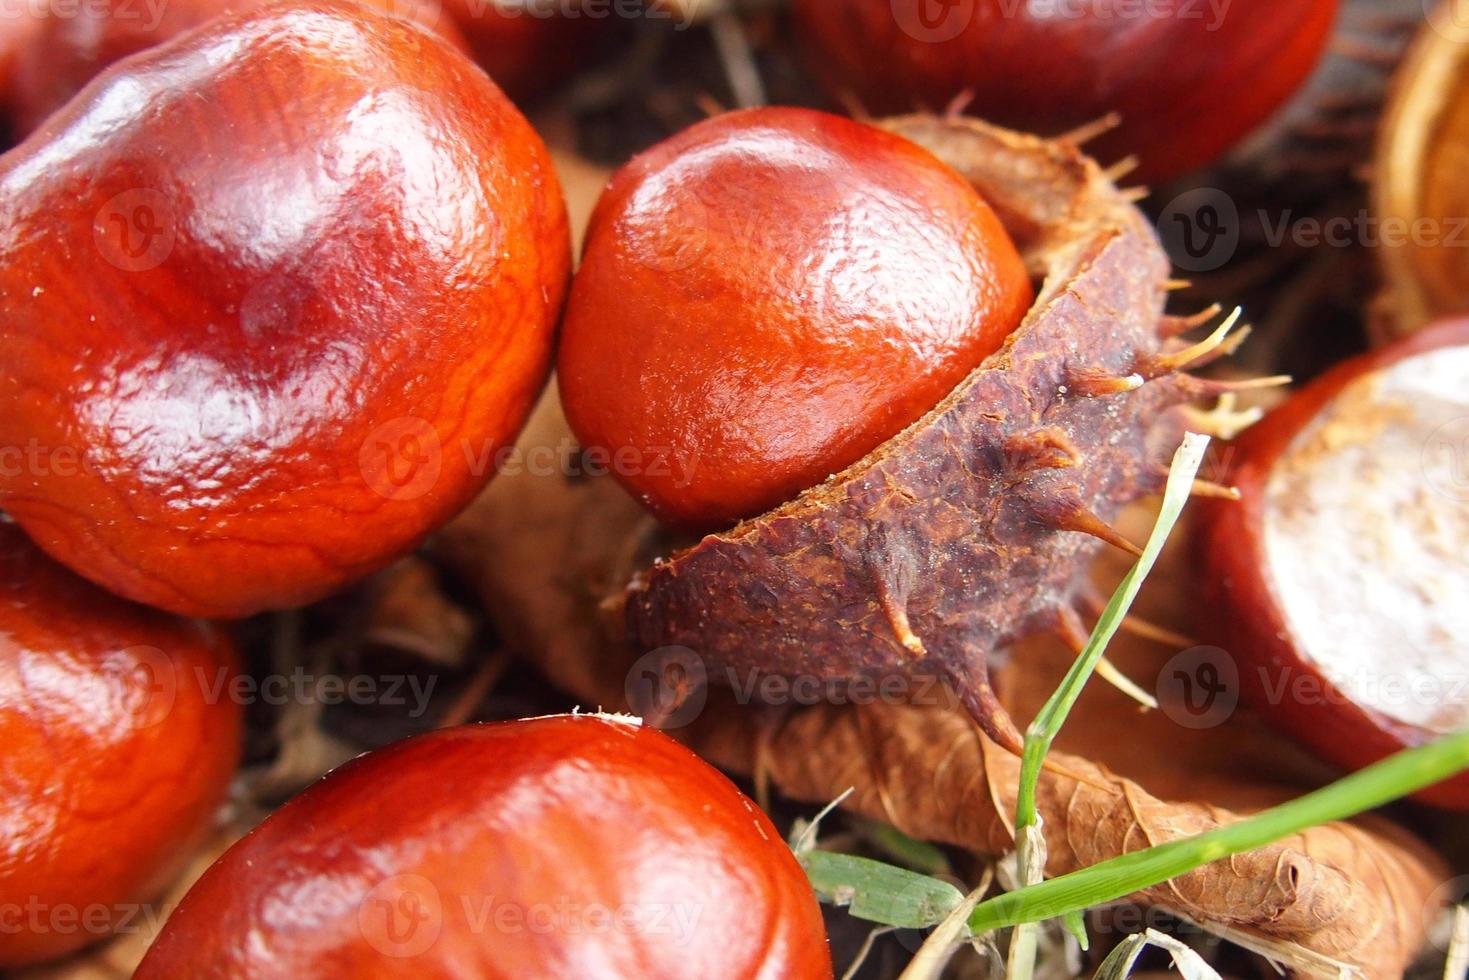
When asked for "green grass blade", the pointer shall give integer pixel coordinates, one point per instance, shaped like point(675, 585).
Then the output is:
point(1048, 721)
point(1052, 716)
point(1399, 775)
point(915, 855)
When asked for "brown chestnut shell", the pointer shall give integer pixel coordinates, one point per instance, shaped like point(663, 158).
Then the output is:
point(1418, 188)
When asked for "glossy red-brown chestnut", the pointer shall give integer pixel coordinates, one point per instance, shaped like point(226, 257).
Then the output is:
point(769, 295)
point(571, 846)
point(1188, 78)
point(19, 25)
point(1341, 580)
point(272, 296)
point(529, 46)
point(118, 746)
point(72, 44)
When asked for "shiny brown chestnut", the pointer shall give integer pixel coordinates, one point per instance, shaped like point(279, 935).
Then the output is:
point(571, 846)
point(1341, 578)
point(766, 297)
point(1188, 78)
point(70, 46)
point(530, 46)
point(18, 28)
point(119, 745)
point(272, 297)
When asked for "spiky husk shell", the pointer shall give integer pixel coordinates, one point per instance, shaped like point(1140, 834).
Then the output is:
point(961, 533)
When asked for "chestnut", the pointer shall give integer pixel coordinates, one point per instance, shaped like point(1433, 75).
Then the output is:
point(67, 50)
point(1341, 577)
point(116, 755)
point(766, 297)
point(530, 46)
point(563, 846)
point(18, 29)
point(974, 525)
point(1189, 79)
point(272, 297)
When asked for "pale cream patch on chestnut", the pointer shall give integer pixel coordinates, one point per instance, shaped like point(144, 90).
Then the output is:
point(1367, 543)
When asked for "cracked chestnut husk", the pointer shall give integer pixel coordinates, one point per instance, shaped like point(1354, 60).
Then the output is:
point(973, 525)
point(1417, 181)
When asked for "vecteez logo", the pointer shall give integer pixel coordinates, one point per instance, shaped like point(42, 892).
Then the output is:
point(135, 230)
point(401, 459)
point(152, 684)
point(1437, 926)
point(1200, 229)
point(667, 687)
point(401, 916)
point(1199, 688)
point(933, 21)
point(424, 13)
point(1446, 459)
point(1448, 18)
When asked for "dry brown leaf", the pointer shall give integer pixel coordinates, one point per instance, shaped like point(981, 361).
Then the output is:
point(546, 552)
point(409, 613)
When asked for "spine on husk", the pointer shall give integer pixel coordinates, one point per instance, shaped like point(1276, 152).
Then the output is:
point(975, 525)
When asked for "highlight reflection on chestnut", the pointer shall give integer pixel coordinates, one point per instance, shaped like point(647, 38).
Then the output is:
point(67, 47)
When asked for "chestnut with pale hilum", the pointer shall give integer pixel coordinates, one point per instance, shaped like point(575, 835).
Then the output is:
point(1339, 581)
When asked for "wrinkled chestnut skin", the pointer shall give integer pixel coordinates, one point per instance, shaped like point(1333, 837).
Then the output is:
point(116, 753)
point(479, 852)
point(766, 297)
point(272, 296)
point(1281, 673)
point(69, 51)
point(526, 53)
point(1187, 82)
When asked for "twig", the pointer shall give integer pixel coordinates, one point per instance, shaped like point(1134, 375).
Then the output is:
point(479, 687)
point(1118, 966)
point(865, 950)
point(738, 61)
point(1457, 965)
point(945, 940)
